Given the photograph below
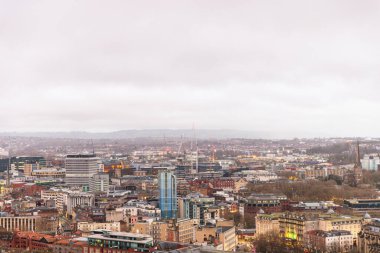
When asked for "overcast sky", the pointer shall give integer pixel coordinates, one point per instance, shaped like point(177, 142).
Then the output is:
point(308, 68)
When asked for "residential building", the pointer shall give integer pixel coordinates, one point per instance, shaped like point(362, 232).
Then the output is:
point(217, 237)
point(227, 237)
point(167, 183)
point(142, 227)
point(369, 237)
point(267, 223)
point(181, 230)
point(370, 162)
point(114, 215)
point(322, 172)
point(157, 229)
point(341, 222)
point(329, 241)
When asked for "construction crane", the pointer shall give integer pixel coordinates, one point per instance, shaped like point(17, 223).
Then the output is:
point(213, 153)
point(179, 149)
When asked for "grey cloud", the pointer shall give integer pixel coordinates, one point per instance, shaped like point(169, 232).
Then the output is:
point(251, 65)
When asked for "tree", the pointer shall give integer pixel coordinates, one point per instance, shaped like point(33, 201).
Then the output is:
point(314, 190)
point(236, 217)
point(273, 243)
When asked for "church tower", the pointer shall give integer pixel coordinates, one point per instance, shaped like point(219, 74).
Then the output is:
point(358, 171)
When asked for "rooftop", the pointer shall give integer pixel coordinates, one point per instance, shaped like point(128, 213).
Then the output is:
point(122, 236)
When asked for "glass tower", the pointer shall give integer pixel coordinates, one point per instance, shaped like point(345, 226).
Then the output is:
point(167, 183)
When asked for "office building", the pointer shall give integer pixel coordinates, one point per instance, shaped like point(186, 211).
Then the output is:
point(270, 203)
point(197, 207)
point(48, 173)
point(99, 182)
point(121, 242)
point(167, 183)
point(362, 205)
point(80, 169)
point(29, 168)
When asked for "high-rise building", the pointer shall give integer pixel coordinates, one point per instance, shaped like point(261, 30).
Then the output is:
point(167, 183)
point(80, 169)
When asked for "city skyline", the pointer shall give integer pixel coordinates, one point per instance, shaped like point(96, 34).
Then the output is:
point(189, 126)
point(295, 69)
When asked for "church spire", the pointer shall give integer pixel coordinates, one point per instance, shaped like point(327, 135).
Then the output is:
point(358, 164)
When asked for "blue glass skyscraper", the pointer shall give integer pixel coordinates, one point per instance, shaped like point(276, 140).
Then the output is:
point(167, 183)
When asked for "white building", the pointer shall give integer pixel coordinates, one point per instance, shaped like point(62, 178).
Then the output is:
point(100, 182)
point(65, 198)
point(259, 175)
point(80, 169)
point(77, 199)
point(85, 226)
point(57, 195)
point(331, 241)
point(370, 162)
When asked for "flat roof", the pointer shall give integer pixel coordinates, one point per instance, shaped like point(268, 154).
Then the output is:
point(142, 238)
point(81, 156)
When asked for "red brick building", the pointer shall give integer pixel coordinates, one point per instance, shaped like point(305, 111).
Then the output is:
point(223, 183)
point(27, 189)
point(32, 240)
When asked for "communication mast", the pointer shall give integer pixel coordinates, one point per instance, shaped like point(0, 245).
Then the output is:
point(9, 164)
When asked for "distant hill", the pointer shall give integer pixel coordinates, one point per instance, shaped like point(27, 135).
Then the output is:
point(151, 133)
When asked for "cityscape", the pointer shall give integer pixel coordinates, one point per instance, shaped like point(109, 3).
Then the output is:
point(189, 126)
point(189, 194)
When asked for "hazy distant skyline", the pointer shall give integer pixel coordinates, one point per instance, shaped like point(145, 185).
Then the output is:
point(308, 68)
